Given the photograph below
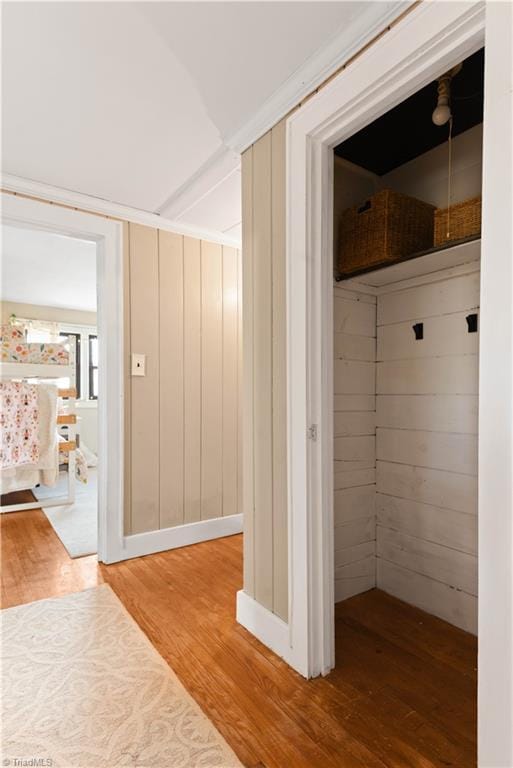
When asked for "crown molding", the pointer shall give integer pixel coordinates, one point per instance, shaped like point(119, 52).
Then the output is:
point(318, 68)
point(97, 205)
point(210, 175)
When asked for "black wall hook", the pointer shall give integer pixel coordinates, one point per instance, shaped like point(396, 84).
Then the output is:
point(418, 330)
point(472, 323)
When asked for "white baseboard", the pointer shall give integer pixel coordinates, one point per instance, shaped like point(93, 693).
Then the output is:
point(265, 625)
point(148, 543)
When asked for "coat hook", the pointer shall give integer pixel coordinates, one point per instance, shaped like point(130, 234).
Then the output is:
point(418, 330)
point(472, 323)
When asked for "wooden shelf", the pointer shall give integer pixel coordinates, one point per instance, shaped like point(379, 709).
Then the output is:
point(417, 265)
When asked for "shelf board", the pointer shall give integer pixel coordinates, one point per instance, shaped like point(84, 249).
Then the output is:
point(418, 264)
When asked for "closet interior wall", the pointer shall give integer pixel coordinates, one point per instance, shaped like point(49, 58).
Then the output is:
point(354, 441)
point(406, 443)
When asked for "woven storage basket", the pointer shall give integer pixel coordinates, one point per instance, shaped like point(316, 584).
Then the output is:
point(386, 228)
point(464, 220)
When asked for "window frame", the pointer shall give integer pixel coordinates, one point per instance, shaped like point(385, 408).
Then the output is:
point(78, 358)
point(90, 367)
point(83, 331)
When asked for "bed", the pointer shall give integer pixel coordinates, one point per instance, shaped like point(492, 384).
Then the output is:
point(32, 375)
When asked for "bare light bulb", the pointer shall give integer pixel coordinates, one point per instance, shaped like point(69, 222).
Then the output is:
point(441, 114)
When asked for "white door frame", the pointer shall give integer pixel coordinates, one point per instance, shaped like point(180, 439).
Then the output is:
point(431, 39)
point(107, 235)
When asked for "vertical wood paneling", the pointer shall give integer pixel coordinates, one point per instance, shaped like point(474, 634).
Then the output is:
point(211, 381)
point(144, 332)
point(229, 383)
point(192, 379)
point(182, 423)
point(171, 392)
point(127, 446)
point(279, 374)
point(248, 482)
point(262, 358)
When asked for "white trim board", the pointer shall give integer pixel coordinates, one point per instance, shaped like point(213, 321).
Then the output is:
point(97, 205)
point(107, 234)
point(140, 544)
point(263, 624)
point(217, 169)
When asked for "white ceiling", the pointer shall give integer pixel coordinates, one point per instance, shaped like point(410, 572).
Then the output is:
point(144, 104)
point(46, 269)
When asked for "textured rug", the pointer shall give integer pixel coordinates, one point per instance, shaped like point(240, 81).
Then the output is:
point(75, 525)
point(83, 687)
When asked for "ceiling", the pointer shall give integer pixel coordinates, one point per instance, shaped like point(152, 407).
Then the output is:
point(407, 131)
point(62, 269)
point(149, 104)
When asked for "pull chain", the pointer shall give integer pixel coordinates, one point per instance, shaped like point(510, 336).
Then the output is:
point(449, 181)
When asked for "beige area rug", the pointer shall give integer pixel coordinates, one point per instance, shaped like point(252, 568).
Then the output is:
point(76, 524)
point(83, 687)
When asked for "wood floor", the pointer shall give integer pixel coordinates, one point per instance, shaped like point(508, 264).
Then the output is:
point(402, 694)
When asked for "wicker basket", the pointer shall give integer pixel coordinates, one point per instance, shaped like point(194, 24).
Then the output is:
point(386, 228)
point(464, 220)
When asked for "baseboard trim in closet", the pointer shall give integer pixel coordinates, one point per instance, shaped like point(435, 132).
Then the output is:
point(148, 543)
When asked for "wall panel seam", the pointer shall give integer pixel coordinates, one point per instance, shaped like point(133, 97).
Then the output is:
point(253, 543)
point(425, 575)
point(183, 379)
point(159, 429)
point(201, 384)
point(129, 379)
point(401, 531)
point(271, 243)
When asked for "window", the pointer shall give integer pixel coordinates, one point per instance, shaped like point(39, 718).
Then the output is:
point(77, 383)
point(84, 380)
point(93, 367)
point(85, 374)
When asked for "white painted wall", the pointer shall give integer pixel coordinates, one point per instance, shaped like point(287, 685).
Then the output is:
point(61, 270)
point(51, 314)
point(426, 176)
point(405, 443)
point(426, 448)
point(87, 413)
point(354, 442)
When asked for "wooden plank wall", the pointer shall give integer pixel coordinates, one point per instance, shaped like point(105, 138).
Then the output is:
point(183, 445)
point(354, 438)
point(264, 372)
point(426, 446)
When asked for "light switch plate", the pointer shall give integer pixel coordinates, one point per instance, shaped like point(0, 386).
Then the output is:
point(138, 365)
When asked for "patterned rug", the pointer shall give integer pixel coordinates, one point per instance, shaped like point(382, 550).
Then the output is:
point(83, 687)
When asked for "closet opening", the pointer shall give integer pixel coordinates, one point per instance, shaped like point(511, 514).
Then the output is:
point(407, 221)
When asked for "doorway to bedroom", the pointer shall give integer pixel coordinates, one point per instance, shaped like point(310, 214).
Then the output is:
point(50, 355)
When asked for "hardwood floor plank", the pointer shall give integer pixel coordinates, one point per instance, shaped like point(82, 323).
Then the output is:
point(402, 694)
